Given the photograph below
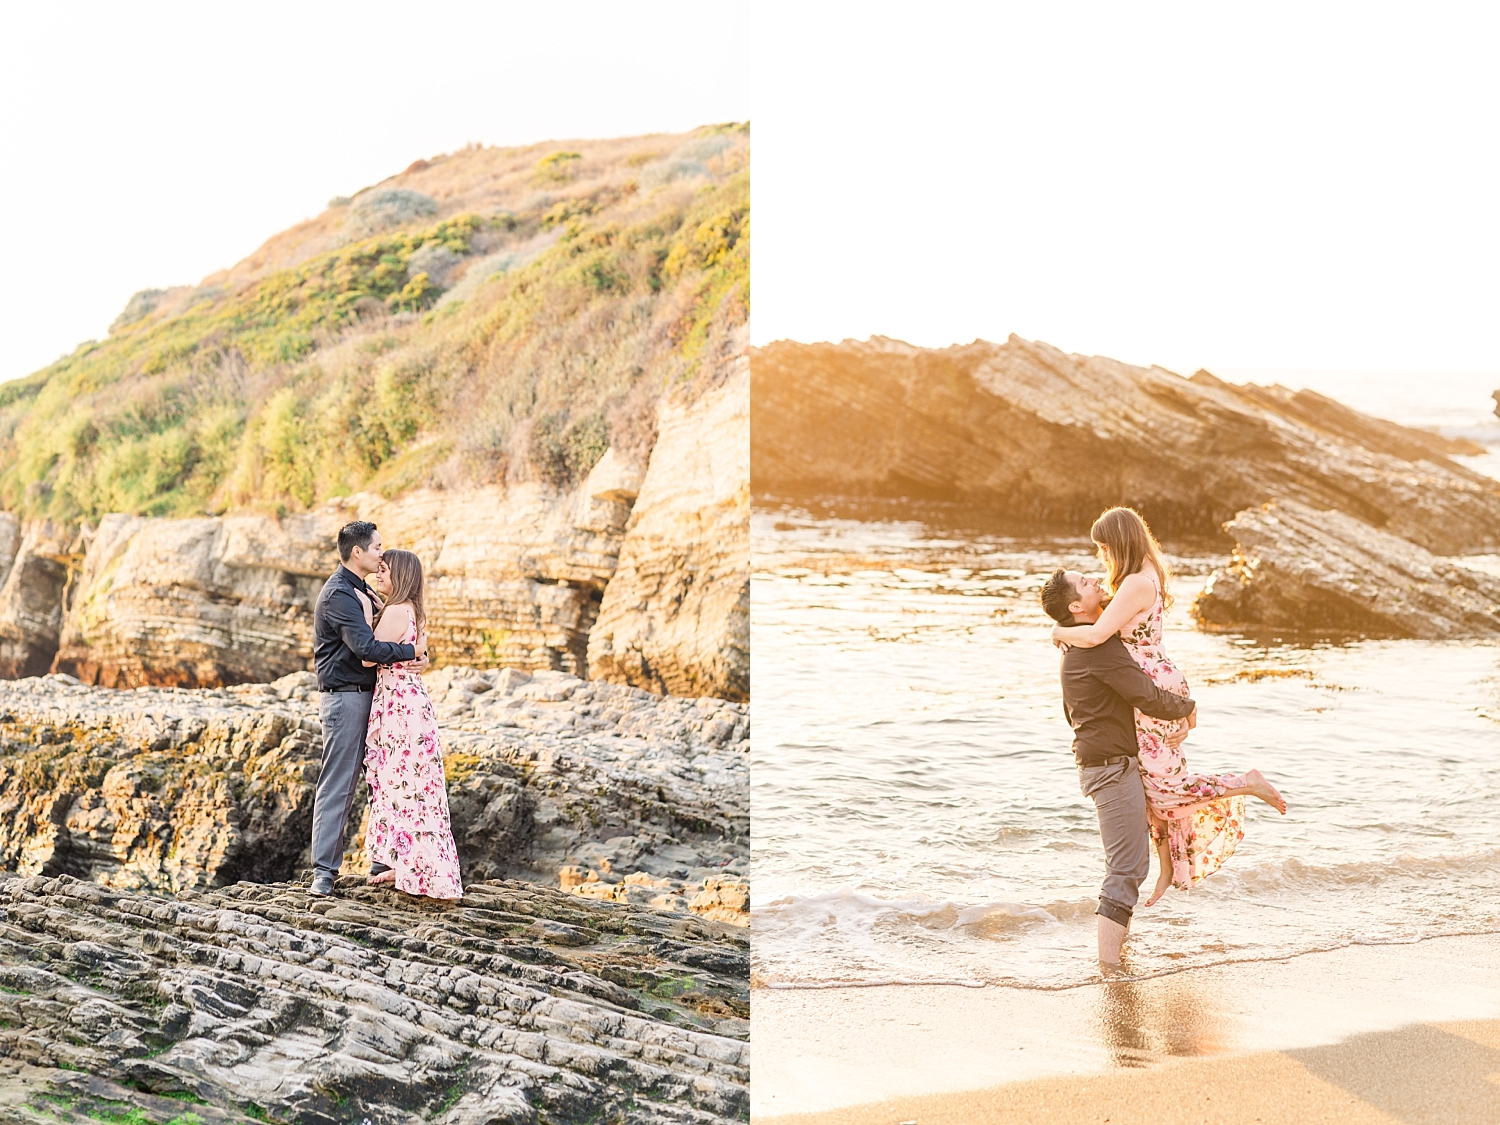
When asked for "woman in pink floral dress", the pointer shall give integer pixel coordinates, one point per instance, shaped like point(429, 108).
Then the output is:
point(409, 840)
point(1197, 819)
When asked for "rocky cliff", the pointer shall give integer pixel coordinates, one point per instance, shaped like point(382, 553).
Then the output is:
point(516, 575)
point(676, 615)
point(257, 1003)
point(1298, 569)
point(639, 797)
point(479, 355)
point(192, 602)
point(1036, 436)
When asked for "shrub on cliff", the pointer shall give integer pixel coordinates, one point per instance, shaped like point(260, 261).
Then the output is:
point(568, 319)
point(140, 305)
point(374, 211)
point(558, 168)
point(436, 260)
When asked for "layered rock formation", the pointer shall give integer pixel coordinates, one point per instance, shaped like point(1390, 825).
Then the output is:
point(174, 789)
point(1037, 436)
point(516, 1004)
point(1300, 569)
point(676, 615)
point(516, 575)
point(36, 563)
point(514, 578)
point(197, 601)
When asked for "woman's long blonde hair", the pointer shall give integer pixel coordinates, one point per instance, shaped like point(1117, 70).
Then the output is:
point(1126, 545)
point(408, 584)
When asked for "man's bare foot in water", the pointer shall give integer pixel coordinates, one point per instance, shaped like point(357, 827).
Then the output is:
point(386, 876)
point(1256, 782)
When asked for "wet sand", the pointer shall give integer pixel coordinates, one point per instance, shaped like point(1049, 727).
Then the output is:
point(1391, 1033)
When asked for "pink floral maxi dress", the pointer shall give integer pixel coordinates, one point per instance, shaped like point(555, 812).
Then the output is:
point(1201, 831)
point(409, 830)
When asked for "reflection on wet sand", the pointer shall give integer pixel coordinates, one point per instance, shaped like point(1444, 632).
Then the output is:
point(1173, 1018)
point(1343, 1032)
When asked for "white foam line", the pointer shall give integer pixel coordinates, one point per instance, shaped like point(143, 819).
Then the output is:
point(1123, 978)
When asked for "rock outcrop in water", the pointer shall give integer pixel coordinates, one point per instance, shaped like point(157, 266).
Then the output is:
point(1300, 569)
point(516, 576)
point(518, 1004)
point(1037, 436)
point(550, 778)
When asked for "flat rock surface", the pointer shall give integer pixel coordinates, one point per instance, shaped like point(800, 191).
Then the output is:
point(620, 793)
point(1298, 568)
point(259, 1002)
point(1027, 434)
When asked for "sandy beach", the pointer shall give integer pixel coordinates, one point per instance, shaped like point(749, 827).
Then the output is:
point(1364, 1034)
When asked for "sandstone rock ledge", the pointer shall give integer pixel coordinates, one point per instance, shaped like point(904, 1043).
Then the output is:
point(520, 1004)
point(676, 615)
point(517, 573)
point(177, 789)
point(1298, 568)
point(1028, 433)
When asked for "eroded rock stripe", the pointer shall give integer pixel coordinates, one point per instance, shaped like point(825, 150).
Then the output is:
point(520, 1003)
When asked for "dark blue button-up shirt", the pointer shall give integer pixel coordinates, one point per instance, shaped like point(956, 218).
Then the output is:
point(342, 638)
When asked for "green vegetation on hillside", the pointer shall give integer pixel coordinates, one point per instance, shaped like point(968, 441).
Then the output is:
point(351, 370)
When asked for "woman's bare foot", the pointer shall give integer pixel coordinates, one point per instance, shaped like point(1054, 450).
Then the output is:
point(1163, 850)
point(387, 876)
point(1163, 881)
point(1260, 787)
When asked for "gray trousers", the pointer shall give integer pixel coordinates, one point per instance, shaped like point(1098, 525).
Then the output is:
point(1119, 796)
point(345, 716)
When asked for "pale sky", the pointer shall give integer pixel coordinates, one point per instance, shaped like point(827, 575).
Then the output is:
point(1250, 187)
point(1279, 187)
point(150, 144)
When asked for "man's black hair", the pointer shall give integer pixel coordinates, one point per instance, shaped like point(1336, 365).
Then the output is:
point(352, 535)
point(1057, 595)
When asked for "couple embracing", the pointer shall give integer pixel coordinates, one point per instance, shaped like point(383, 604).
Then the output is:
point(370, 647)
point(1130, 712)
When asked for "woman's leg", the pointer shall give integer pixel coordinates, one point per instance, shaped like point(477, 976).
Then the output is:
point(1255, 785)
point(1163, 858)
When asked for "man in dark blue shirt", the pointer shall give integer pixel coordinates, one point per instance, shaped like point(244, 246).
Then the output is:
point(342, 641)
point(1102, 687)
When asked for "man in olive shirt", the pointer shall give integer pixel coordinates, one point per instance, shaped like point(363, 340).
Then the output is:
point(1102, 688)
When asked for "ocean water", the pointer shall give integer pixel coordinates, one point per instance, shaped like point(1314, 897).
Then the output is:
point(916, 814)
